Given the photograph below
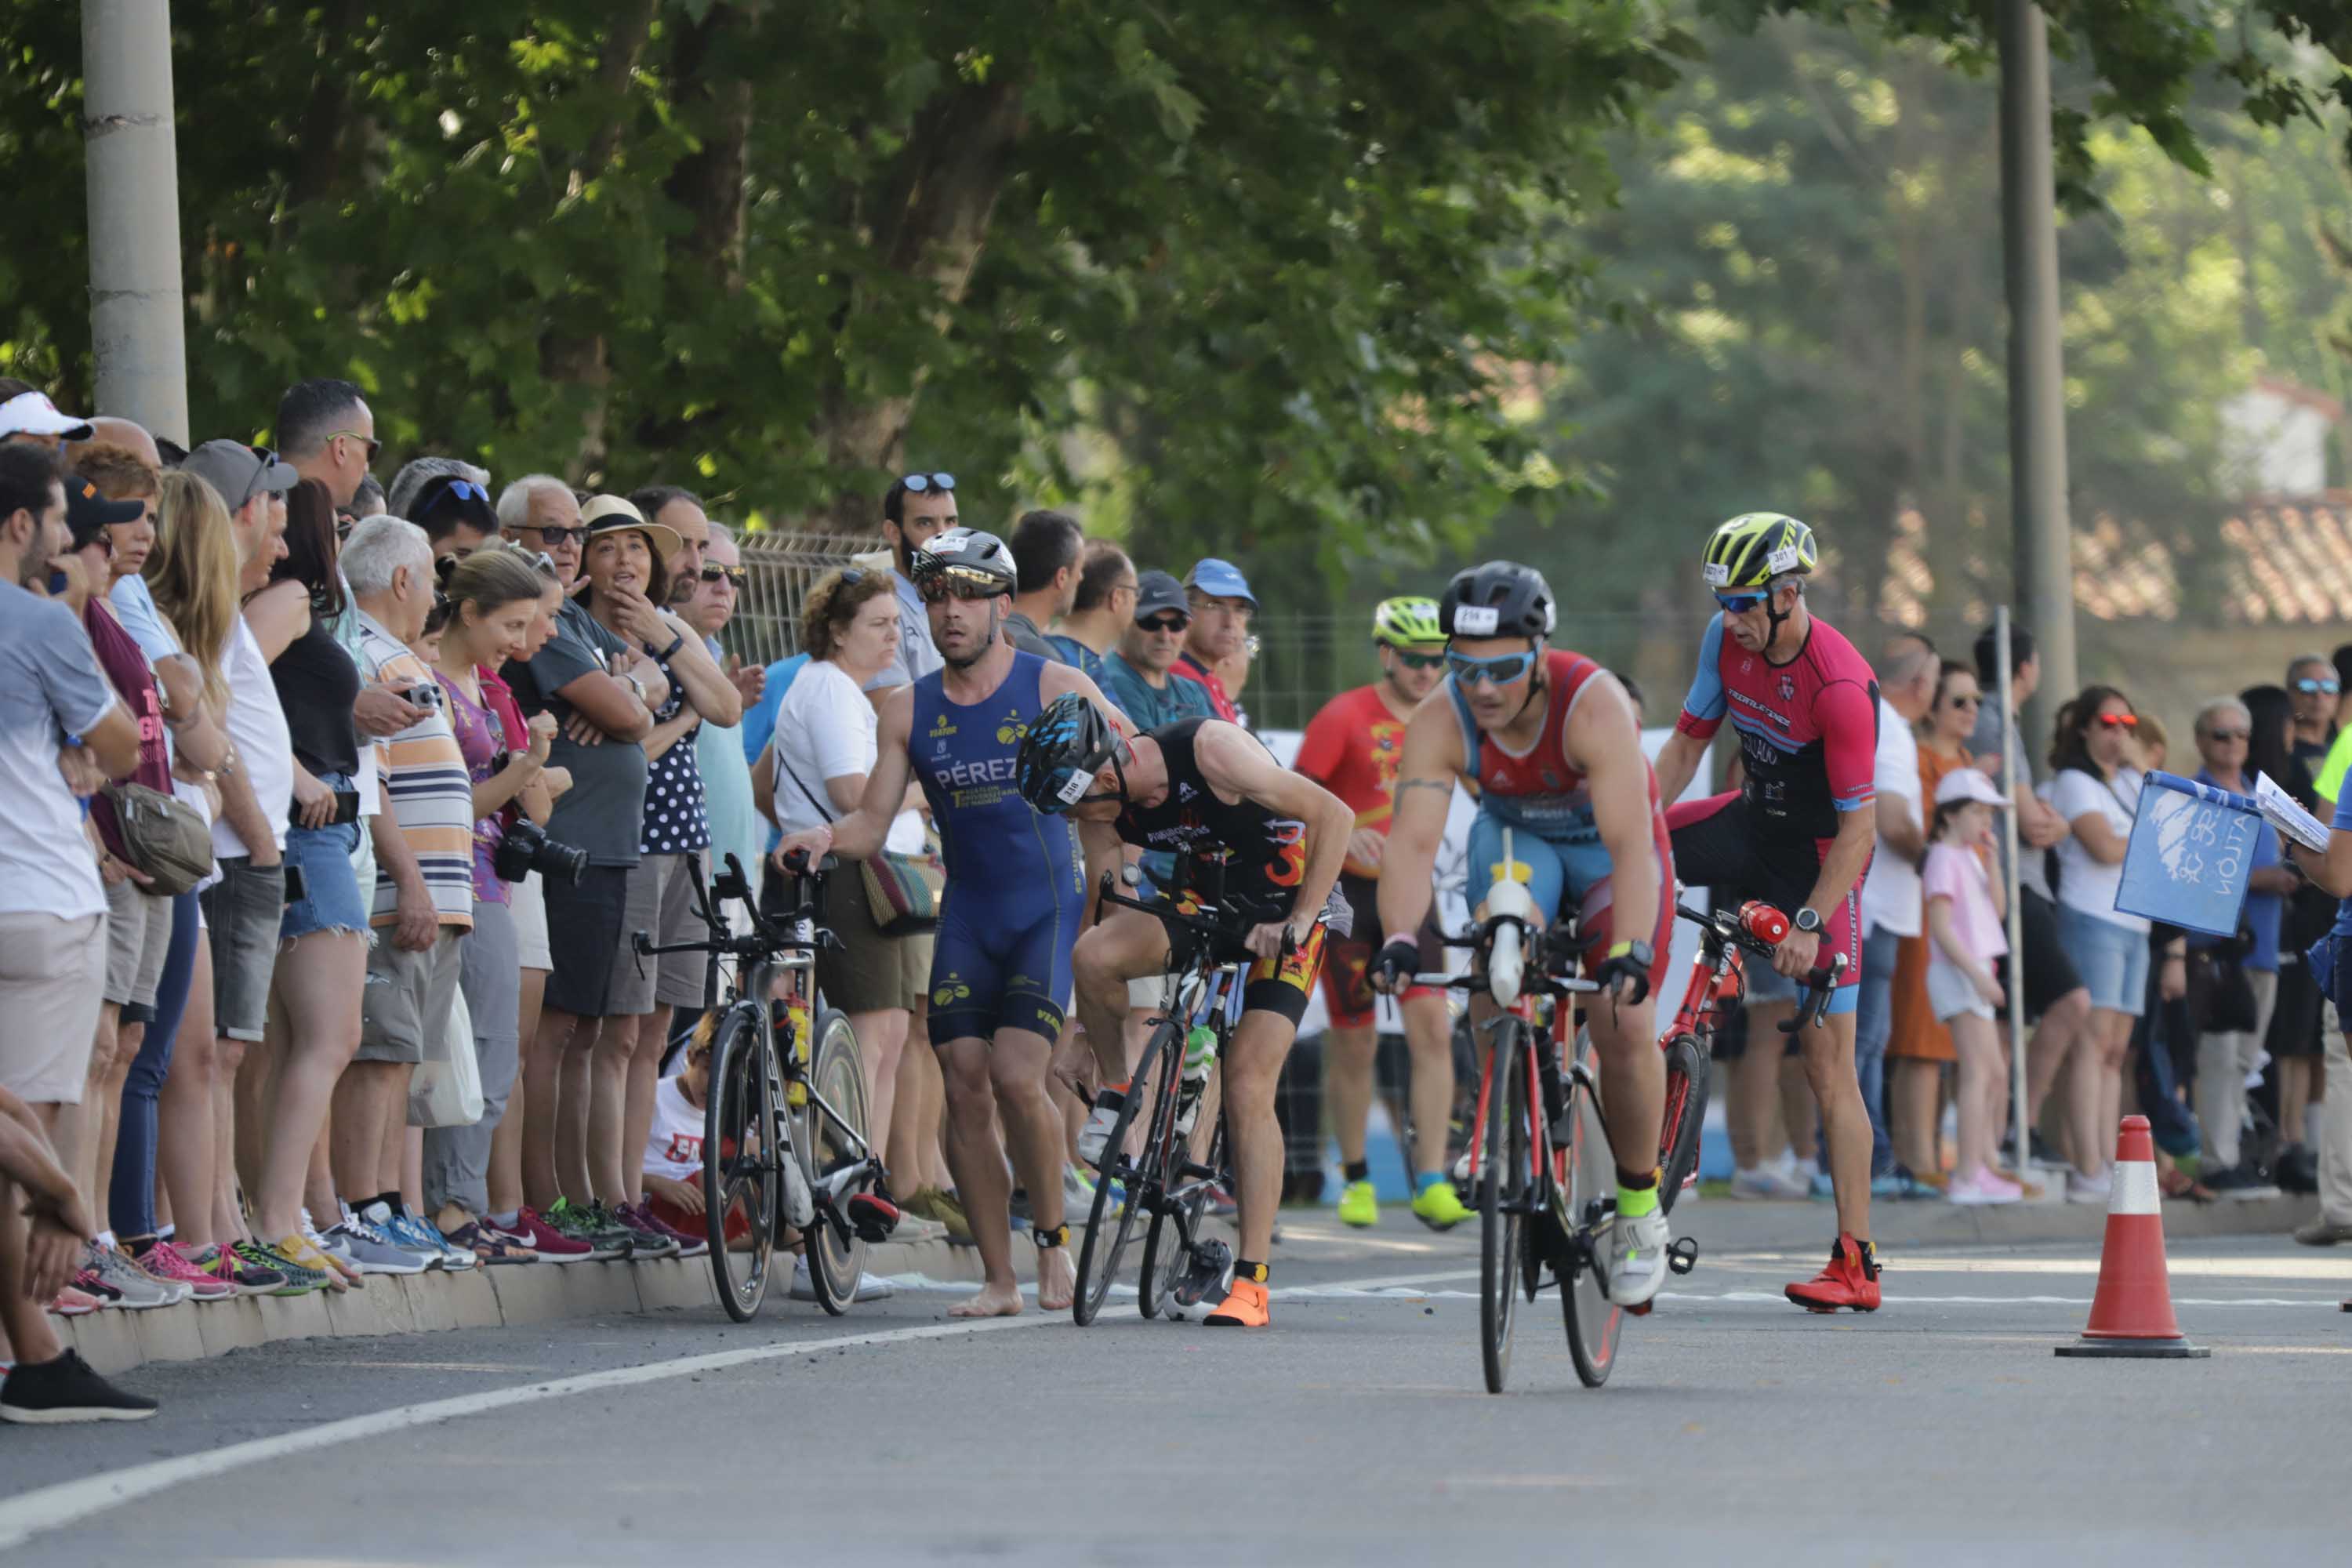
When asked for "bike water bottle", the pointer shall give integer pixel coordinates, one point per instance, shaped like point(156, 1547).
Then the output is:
point(1200, 1055)
point(1764, 922)
point(790, 1018)
point(1506, 964)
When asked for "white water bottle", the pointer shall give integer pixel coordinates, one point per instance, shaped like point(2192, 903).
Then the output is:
point(1509, 898)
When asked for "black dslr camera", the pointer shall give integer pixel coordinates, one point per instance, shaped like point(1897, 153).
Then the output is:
point(527, 849)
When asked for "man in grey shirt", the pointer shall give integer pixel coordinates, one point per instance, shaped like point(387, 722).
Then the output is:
point(1045, 547)
point(2054, 994)
point(914, 508)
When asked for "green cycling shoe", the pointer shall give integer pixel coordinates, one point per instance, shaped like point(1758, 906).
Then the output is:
point(1439, 1206)
point(1358, 1206)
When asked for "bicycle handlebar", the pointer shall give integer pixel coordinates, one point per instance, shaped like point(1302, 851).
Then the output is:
point(1169, 914)
point(766, 937)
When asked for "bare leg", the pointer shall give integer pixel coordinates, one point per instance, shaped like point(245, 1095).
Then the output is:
point(881, 1042)
point(24, 1324)
point(1972, 1038)
point(1016, 1066)
point(1829, 1063)
point(411, 1143)
point(1251, 1070)
point(2086, 1095)
point(318, 985)
point(645, 1077)
point(2294, 1081)
point(1754, 1105)
point(977, 1160)
point(575, 1091)
point(1429, 1035)
point(506, 1183)
point(228, 1221)
point(361, 1097)
point(608, 1108)
point(1632, 1080)
point(1913, 1103)
point(545, 1051)
point(256, 1087)
point(184, 1110)
point(99, 1110)
point(1796, 1109)
point(318, 1194)
point(1349, 1056)
point(2067, 1021)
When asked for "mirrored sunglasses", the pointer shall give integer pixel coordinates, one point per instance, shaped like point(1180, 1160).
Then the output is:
point(1739, 604)
point(1500, 670)
point(918, 483)
point(713, 573)
point(2309, 686)
point(2119, 721)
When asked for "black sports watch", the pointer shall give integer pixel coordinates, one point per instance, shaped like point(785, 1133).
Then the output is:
point(1808, 920)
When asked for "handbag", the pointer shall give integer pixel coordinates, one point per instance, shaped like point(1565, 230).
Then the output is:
point(164, 837)
point(444, 1089)
point(902, 891)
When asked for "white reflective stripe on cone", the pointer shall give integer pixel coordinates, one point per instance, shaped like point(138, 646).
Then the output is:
point(2134, 1192)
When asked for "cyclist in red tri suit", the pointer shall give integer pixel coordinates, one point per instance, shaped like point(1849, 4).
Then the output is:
point(1798, 834)
point(1352, 748)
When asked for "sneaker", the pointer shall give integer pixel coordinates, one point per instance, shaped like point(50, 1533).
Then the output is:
point(413, 1235)
point(648, 1239)
point(163, 1261)
point(1820, 1184)
point(1766, 1183)
point(259, 1270)
point(2323, 1232)
point(1439, 1206)
point(336, 1249)
point(1980, 1186)
point(487, 1246)
point(941, 1209)
point(549, 1244)
point(136, 1290)
point(689, 1244)
point(1100, 1119)
point(1359, 1205)
point(870, 1287)
point(2083, 1189)
point(1207, 1276)
point(1245, 1307)
point(75, 1302)
point(1078, 1195)
point(2242, 1180)
point(52, 1392)
point(371, 1250)
point(299, 1249)
point(1850, 1280)
point(2298, 1170)
point(89, 1284)
point(1637, 1258)
point(584, 1224)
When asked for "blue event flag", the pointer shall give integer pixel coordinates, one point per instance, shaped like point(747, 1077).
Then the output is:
point(2192, 848)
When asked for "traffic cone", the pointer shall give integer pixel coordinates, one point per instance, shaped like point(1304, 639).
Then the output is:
point(2131, 1315)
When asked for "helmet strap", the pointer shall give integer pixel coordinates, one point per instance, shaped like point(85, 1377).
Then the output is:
point(1775, 615)
point(1537, 685)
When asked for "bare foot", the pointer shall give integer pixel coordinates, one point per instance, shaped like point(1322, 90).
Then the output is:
point(993, 1301)
point(1057, 1282)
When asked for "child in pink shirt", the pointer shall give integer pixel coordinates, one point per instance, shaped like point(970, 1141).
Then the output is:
point(1964, 927)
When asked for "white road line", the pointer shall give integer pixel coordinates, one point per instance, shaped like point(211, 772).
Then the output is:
point(70, 1502)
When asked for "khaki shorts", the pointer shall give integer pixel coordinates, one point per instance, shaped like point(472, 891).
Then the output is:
point(138, 935)
point(51, 972)
point(407, 1003)
point(659, 902)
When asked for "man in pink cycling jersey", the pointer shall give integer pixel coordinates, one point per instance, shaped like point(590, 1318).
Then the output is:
point(1798, 834)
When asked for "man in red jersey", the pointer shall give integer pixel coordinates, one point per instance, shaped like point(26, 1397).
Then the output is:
point(1352, 749)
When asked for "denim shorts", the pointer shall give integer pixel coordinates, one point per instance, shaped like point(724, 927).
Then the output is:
point(2111, 960)
point(330, 897)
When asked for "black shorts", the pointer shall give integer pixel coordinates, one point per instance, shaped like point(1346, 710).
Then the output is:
point(2049, 972)
point(1347, 960)
point(584, 922)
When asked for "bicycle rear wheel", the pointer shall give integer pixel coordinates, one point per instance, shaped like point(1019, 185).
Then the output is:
point(1175, 1226)
point(739, 1154)
point(1502, 1196)
point(1688, 1070)
point(837, 1072)
point(1106, 1232)
point(1590, 1195)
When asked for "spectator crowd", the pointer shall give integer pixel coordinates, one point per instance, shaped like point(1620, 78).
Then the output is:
point(336, 807)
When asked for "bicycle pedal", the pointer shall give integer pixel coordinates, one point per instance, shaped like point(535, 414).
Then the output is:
point(1682, 1255)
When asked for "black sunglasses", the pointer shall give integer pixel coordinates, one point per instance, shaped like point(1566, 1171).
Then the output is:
point(558, 536)
point(374, 447)
point(1414, 660)
point(1171, 622)
point(713, 571)
point(921, 482)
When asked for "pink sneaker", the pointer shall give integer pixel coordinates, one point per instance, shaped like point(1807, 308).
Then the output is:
point(74, 1303)
point(163, 1261)
point(1980, 1186)
point(552, 1245)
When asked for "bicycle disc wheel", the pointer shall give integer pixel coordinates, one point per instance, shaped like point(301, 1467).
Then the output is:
point(738, 1147)
point(836, 1257)
point(1502, 1193)
point(1176, 1222)
point(1688, 1069)
point(1590, 1190)
point(1106, 1232)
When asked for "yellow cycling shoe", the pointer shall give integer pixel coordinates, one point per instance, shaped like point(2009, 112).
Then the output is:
point(1439, 1206)
point(1358, 1206)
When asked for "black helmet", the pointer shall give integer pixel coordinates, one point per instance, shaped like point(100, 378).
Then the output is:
point(967, 553)
point(1500, 599)
point(1063, 749)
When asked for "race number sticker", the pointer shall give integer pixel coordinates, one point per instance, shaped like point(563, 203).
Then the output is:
point(1784, 559)
point(1475, 620)
point(1074, 788)
point(1717, 573)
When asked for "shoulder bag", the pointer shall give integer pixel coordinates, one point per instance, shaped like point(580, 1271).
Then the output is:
point(164, 837)
point(902, 891)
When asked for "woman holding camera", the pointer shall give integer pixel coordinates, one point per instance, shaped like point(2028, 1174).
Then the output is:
point(495, 599)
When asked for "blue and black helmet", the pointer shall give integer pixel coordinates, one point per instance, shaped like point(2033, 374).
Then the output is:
point(1066, 745)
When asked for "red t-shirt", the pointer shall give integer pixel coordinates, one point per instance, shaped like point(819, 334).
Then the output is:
point(1352, 748)
point(1189, 668)
point(127, 671)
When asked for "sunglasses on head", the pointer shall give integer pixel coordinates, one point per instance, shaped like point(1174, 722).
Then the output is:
point(918, 483)
point(1739, 604)
point(467, 489)
point(2307, 686)
point(2119, 721)
point(373, 445)
point(1419, 661)
point(1500, 670)
point(713, 573)
point(1167, 624)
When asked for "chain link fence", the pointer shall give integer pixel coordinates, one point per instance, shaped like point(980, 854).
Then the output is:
point(779, 570)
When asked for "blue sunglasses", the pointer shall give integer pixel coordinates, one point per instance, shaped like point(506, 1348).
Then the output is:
point(1500, 670)
point(1739, 604)
point(918, 483)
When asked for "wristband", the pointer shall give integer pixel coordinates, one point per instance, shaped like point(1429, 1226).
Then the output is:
point(670, 652)
point(1396, 937)
point(1621, 949)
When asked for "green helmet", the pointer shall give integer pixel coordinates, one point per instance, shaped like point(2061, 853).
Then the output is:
point(1409, 621)
point(1754, 547)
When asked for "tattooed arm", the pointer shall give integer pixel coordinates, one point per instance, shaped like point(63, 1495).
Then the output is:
point(1432, 760)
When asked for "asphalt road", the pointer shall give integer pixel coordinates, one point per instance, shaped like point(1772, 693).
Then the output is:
point(1941, 1430)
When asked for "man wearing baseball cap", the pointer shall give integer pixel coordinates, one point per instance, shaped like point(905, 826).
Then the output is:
point(242, 474)
point(1221, 605)
point(27, 414)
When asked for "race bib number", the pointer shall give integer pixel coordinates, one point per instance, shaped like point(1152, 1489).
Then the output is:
point(1475, 620)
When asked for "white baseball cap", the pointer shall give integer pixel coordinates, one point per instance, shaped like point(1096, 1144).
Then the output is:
point(32, 414)
point(1968, 784)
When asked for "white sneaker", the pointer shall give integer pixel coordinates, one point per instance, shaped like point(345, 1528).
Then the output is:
point(2083, 1189)
point(1765, 1182)
point(1094, 1136)
point(1637, 1258)
point(870, 1287)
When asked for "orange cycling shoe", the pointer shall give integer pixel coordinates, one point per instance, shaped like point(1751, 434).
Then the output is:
point(1850, 1281)
point(1245, 1304)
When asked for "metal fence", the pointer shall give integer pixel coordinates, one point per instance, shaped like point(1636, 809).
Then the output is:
point(779, 568)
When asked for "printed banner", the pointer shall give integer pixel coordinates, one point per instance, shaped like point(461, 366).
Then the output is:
point(2191, 849)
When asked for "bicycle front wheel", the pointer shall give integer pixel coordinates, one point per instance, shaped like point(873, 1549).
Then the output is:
point(1502, 1197)
point(837, 1075)
point(1590, 1195)
point(1175, 1227)
point(1111, 1221)
point(739, 1162)
point(1688, 1069)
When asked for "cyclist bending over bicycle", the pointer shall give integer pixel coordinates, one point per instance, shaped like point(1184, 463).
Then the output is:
point(1549, 740)
point(1206, 789)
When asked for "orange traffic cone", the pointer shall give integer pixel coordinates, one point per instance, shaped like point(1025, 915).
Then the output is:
point(2131, 1315)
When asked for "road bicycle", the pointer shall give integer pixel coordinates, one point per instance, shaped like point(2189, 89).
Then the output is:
point(784, 1130)
point(1716, 990)
point(1174, 1174)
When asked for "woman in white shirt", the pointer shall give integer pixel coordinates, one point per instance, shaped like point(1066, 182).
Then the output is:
point(2097, 790)
point(811, 774)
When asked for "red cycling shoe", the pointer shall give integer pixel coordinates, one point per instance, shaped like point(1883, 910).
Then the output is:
point(873, 1216)
point(1850, 1281)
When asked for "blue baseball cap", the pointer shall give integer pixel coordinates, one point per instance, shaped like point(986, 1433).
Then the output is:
point(1220, 580)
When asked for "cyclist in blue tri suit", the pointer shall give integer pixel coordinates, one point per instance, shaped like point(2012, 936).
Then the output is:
point(1014, 904)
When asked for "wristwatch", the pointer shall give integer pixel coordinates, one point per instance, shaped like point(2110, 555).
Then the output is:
point(1809, 921)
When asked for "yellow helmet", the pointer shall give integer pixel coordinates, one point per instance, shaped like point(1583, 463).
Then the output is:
point(1754, 547)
